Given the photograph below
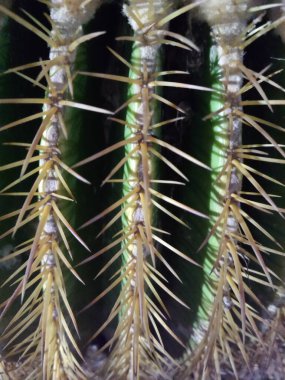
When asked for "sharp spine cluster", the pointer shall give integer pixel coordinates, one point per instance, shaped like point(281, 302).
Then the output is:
point(138, 314)
point(225, 294)
point(52, 338)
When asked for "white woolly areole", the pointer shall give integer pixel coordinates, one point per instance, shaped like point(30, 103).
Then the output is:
point(69, 15)
point(145, 12)
point(224, 11)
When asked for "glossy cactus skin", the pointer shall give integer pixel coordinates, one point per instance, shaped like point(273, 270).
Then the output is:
point(163, 176)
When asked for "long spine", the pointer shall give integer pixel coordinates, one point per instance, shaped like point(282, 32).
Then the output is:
point(137, 218)
point(225, 316)
point(47, 305)
point(139, 317)
point(226, 54)
point(55, 344)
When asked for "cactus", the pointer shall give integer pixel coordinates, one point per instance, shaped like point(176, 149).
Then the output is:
point(147, 149)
